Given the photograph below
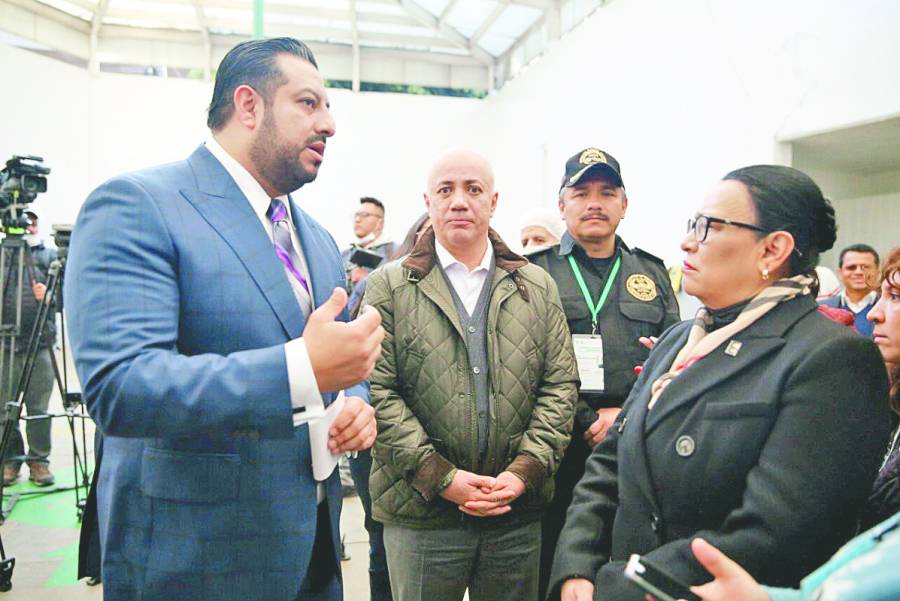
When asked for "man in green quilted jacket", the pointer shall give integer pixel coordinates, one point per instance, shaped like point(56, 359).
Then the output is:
point(474, 397)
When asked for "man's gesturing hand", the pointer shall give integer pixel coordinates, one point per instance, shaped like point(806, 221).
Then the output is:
point(342, 354)
point(354, 427)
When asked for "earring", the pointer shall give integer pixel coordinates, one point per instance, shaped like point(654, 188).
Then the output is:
point(765, 274)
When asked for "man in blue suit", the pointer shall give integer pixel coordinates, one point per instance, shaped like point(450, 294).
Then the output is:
point(208, 326)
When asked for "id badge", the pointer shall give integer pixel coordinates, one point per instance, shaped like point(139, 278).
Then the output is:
point(589, 356)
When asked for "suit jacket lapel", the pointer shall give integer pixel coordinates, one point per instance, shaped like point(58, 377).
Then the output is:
point(759, 340)
point(221, 203)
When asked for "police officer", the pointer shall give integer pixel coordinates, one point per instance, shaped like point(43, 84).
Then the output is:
point(612, 295)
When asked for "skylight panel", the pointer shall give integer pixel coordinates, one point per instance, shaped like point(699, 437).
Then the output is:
point(379, 7)
point(515, 20)
point(468, 15)
point(509, 27)
point(390, 28)
point(435, 7)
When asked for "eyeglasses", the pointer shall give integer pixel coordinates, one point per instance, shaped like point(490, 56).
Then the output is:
point(365, 214)
point(700, 226)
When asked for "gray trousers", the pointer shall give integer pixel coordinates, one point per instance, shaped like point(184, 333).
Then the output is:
point(495, 564)
point(36, 401)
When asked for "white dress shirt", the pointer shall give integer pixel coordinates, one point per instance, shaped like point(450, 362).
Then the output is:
point(301, 378)
point(864, 302)
point(467, 284)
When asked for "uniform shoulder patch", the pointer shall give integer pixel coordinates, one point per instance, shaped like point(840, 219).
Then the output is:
point(645, 255)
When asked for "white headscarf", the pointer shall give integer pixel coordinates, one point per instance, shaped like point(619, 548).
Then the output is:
point(546, 218)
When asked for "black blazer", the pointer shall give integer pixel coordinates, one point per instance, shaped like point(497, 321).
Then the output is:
point(769, 453)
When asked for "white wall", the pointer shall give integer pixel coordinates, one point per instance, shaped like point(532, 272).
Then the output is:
point(680, 92)
point(89, 129)
point(873, 220)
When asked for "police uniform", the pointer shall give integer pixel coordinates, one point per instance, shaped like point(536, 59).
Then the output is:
point(640, 302)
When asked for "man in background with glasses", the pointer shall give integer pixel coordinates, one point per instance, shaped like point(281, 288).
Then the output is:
point(612, 296)
point(858, 270)
point(368, 227)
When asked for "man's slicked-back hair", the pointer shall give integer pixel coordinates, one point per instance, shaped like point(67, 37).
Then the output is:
point(251, 63)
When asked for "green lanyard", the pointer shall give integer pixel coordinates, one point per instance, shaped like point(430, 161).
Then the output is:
point(595, 309)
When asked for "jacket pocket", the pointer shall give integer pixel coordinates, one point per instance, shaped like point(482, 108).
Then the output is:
point(650, 312)
point(190, 477)
point(738, 409)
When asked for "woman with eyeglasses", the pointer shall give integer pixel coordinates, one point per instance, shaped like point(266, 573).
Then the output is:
point(759, 426)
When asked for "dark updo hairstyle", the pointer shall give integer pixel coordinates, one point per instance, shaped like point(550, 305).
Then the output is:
point(785, 199)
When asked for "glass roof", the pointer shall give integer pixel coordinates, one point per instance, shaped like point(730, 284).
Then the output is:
point(487, 33)
point(489, 25)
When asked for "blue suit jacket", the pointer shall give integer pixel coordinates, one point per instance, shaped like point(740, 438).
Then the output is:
point(179, 310)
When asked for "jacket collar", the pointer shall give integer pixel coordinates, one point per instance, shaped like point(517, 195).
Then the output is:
point(423, 257)
point(764, 336)
point(567, 244)
point(222, 204)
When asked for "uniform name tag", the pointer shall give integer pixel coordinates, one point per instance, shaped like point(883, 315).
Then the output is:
point(589, 356)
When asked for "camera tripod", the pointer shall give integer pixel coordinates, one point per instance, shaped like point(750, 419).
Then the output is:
point(16, 272)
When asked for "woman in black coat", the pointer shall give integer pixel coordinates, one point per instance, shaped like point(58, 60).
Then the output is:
point(758, 426)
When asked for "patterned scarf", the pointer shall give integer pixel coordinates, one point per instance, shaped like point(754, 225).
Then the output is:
point(699, 344)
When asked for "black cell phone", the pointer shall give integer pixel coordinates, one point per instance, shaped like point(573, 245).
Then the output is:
point(656, 581)
point(365, 258)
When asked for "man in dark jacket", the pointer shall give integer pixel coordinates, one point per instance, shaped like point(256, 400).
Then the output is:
point(612, 295)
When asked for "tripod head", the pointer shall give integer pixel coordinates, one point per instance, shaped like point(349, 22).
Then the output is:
point(23, 178)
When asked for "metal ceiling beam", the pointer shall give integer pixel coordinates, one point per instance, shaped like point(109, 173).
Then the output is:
point(446, 12)
point(48, 12)
point(354, 85)
point(223, 42)
point(490, 20)
point(284, 7)
point(96, 24)
point(207, 44)
point(533, 3)
point(304, 32)
point(553, 20)
point(429, 20)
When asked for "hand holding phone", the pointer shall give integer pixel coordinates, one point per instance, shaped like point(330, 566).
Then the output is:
point(656, 581)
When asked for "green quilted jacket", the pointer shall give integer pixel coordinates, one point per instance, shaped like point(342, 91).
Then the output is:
point(424, 395)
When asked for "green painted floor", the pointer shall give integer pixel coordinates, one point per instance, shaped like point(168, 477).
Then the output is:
point(42, 534)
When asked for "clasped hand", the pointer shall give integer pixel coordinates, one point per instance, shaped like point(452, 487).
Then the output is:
point(484, 496)
point(354, 428)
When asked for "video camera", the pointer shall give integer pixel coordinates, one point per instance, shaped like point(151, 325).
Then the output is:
point(21, 181)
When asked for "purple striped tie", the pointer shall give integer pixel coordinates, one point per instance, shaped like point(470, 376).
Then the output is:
point(284, 247)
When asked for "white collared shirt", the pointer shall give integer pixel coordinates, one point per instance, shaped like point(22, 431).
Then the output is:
point(467, 284)
point(301, 378)
point(864, 302)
